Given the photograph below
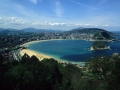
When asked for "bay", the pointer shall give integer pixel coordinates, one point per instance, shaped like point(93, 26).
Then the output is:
point(73, 51)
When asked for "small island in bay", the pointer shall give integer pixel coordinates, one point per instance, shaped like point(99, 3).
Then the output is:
point(99, 45)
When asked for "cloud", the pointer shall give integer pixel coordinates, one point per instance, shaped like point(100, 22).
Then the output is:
point(34, 1)
point(16, 21)
point(36, 23)
point(82, 4)
point(105, 25)
point(61, 24)
point(12, 22)
point(58, 9)
point(57, 24)
point(48, 23)
point(1, 21)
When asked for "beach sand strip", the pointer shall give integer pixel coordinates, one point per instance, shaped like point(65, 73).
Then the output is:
point(31, 53)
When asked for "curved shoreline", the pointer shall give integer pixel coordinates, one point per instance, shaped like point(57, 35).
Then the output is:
point(39, 55)
point(31, 53)
point(42, 56)
point(27, 43)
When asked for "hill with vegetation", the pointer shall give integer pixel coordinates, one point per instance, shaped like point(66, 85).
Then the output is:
point(102, 35)
point(101, 73)
point(99, 45)
point(86, 30)
point(89, 34)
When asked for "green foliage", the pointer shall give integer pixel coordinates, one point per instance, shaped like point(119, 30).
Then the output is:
point(107, 70)
point(98, 44)
point(24, 59)
point(48, 74)
point(103, 35)
point(17, 78)
point(98, 36)
point(30, 73)
point(89, 74)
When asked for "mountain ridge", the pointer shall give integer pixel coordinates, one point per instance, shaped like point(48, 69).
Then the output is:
point(76, 33)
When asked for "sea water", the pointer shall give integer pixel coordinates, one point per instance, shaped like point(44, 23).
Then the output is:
point(72, 50)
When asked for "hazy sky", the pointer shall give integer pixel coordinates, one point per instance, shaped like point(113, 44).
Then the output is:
point(59, 14)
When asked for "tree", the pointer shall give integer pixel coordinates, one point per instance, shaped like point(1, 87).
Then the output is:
point(24, 58)
point(18, 77)
point(107, 70)
point(98, 44)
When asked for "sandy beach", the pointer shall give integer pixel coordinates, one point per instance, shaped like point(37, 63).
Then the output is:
point(31, 53)
point(41, 56)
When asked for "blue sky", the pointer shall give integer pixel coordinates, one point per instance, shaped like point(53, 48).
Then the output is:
point(60, 14)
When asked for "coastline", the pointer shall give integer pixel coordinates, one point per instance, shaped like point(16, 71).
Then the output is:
point(39, 55)
point(42, 56)
point(31, 53)
point(27, 43)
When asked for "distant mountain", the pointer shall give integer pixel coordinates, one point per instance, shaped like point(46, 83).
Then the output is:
point(10, 29)
point(32, 30)
point(29, 30)
point(8, 32)
point(39, 30)
point(1, 29)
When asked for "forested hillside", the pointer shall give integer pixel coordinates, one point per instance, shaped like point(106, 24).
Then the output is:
point(100, 73)
point(89, 33)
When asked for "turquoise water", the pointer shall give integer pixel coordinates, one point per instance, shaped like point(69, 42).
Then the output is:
point(68, 50)
point(72, 50)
